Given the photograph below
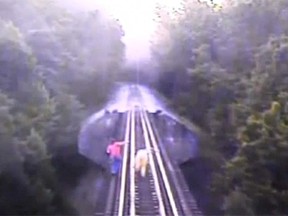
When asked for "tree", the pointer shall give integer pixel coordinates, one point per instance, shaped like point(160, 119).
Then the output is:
point(233, 65)
point(53, 72)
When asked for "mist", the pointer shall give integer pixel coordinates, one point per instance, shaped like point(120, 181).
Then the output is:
point(136, 19)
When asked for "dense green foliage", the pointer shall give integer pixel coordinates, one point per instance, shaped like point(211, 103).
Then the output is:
point(227, 71)
point(54, 67)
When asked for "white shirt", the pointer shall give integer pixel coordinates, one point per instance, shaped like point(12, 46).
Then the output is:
point(142, 154)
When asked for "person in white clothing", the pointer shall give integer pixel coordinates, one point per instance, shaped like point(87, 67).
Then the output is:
point(142, 160)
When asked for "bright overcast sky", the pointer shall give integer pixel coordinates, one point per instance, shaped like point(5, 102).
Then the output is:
point(136, 17)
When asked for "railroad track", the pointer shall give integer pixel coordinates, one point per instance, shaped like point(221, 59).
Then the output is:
point(155, 194)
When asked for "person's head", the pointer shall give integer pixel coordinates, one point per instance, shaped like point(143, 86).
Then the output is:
point(112, 140)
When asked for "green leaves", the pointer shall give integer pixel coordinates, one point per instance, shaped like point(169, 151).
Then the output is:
point(227, 72)
point(54, 66)
point(69, 113)
point(237, 203)
point(36, 147)
point(260, 155)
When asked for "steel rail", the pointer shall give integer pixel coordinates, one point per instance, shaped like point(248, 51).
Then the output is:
point(161, 166)
point(124, 166)
point(132, 162)
point(153, 167)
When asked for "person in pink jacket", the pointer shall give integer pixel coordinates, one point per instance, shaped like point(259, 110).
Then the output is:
point(114, 150)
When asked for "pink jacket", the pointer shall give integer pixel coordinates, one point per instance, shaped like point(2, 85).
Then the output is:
point(114, 149)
